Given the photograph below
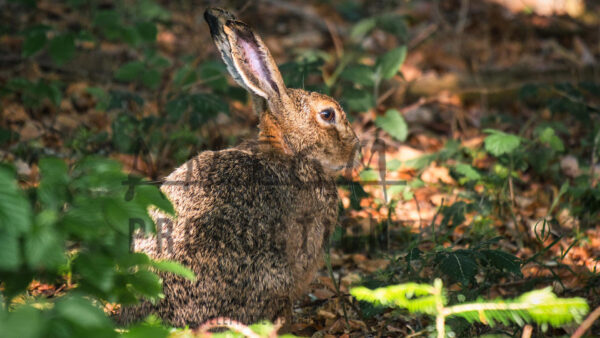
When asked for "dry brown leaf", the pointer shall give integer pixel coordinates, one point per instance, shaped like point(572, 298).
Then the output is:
point(30, 131)
point(15, 113)
point(66, 122)
point(323, 293)
point(435, 174)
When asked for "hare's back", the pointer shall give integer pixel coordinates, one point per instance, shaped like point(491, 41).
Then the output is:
point(232, 198)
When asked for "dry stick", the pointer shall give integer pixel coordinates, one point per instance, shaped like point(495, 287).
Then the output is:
point(527, 330)
point(335, 37)
point(420, 218)
point(336, 283)
point(385, 95)
point(587, 323)
point(462, 21)
point(422, 35)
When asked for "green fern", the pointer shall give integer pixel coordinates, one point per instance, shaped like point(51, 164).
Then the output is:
point(540, 306)
point(412, 296)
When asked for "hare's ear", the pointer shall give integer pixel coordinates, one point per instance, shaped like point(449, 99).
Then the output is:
point(246, 56)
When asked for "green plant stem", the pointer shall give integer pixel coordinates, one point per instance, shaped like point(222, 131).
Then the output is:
point(376, 86)
point(461, 308)
point(330, 81)
point(440, 319)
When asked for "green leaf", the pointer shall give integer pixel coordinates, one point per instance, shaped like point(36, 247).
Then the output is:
point(458, 265)
point(144, 330)
point(185, 75)
point(15, 210)
point(389, 22)
point(549, 136)
point(7, 136)
point(35, 40)
point(10, 255)
point(503, 261)
point(151, 78)
point(147, 31)
point(101, 96)
point(24, 322)
point(362, 28)
point(454, 214)
point(130, 71)
point(393, 123)
point(148, 195)
point(214, 75)
point(357, 193)
point(125, 127)
point(133, 259)
point(176, 107)
point(151, 10)
point(95, 269)
point(174, 267)
point(62, 48)
point(369, 175)
point(468, 171)
point(357, 100)
point(359, 74)
point(389, 63)
point(393, 24)
point(205, 106)
point(109, 22)
point(146, 283)
point(402, 190)
point(52, 190)
point(81, 312)
point(499, 143)
point(44, 248)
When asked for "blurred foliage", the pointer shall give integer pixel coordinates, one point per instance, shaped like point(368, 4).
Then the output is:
point(540, 306)
point(75, 228)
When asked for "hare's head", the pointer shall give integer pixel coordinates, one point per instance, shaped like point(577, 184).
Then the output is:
point(292, 121)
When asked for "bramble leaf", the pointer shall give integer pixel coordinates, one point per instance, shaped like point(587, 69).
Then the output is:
point(393, 123)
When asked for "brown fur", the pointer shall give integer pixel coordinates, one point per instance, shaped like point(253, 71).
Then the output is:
point(252, 220)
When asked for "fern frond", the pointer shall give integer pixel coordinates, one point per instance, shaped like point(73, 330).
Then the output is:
point(412, 296)
point(540, 306)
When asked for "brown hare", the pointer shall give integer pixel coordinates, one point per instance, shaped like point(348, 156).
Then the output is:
point(252, 221)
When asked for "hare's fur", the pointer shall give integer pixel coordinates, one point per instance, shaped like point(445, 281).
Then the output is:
point(251, 221)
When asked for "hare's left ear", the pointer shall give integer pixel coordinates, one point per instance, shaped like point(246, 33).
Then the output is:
point(246, 56)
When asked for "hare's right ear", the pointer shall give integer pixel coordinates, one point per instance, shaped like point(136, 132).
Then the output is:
point(246, 56)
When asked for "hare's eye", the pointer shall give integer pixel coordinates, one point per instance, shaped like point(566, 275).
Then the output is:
point(327, 115)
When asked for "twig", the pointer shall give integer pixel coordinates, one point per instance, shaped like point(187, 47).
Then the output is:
point(335, 37)
point(527, 330)
point(422, 36)
point(336, 283)
point(385, 95)
point(462, 17)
